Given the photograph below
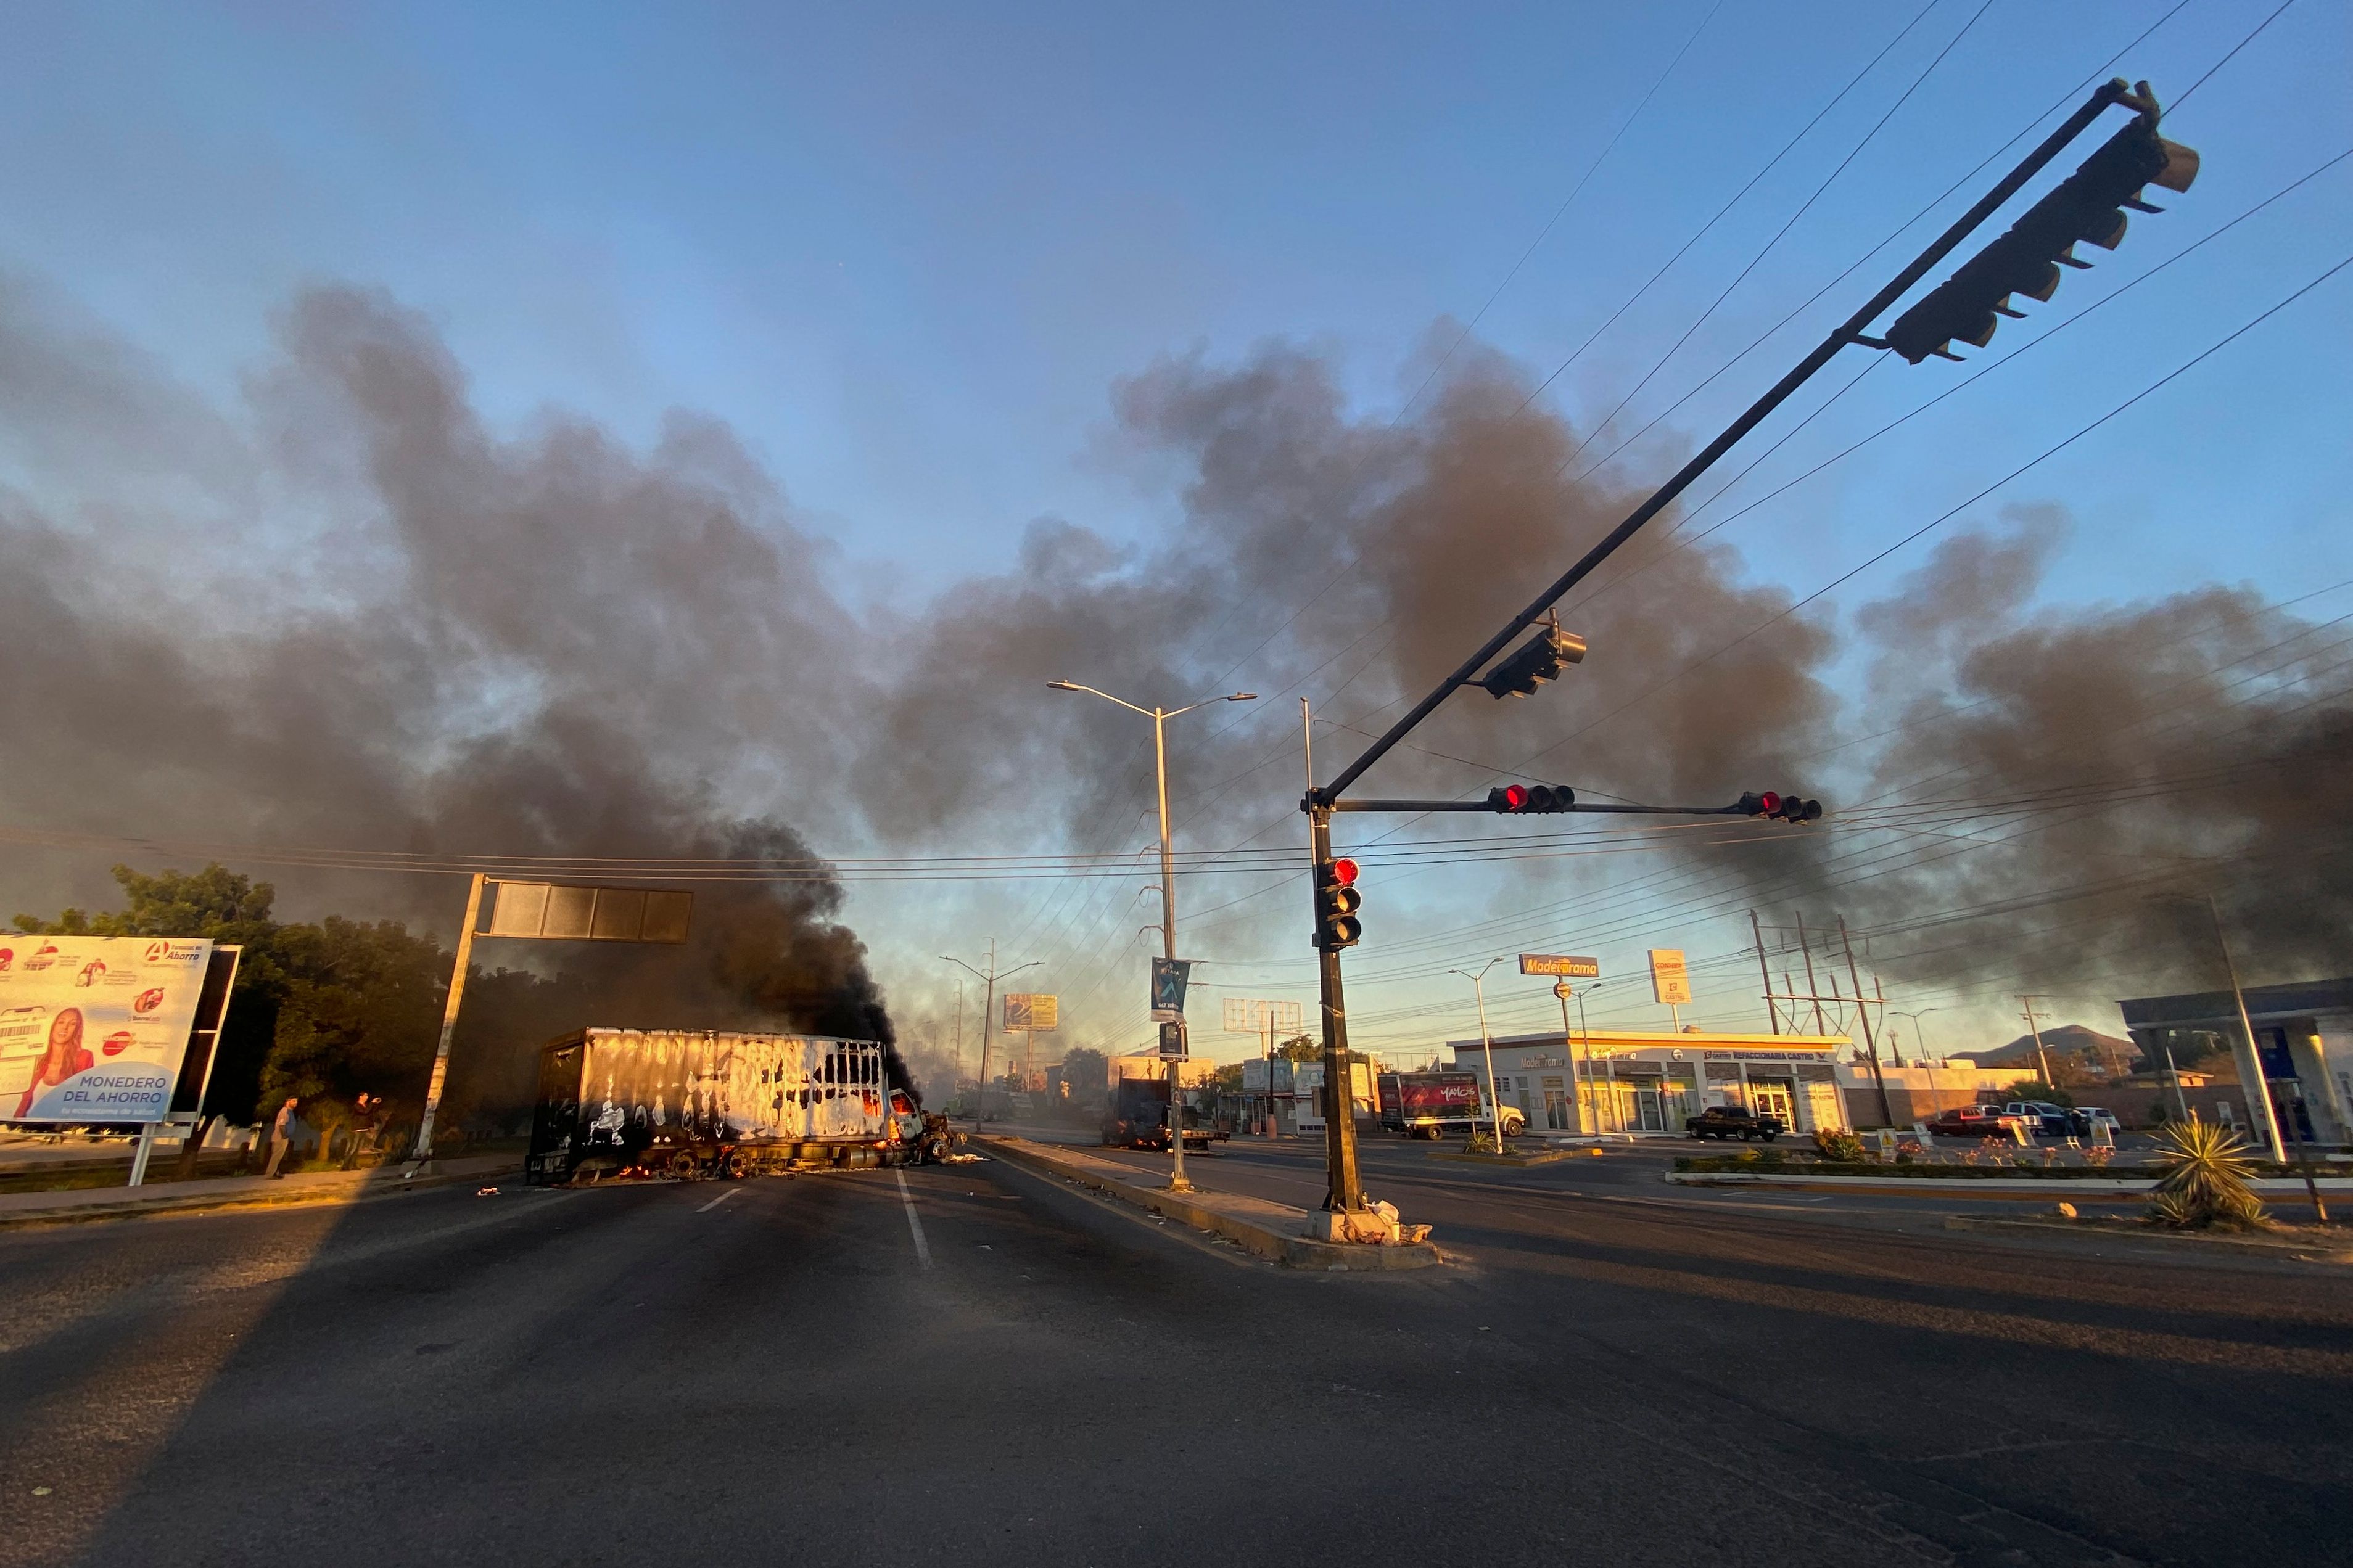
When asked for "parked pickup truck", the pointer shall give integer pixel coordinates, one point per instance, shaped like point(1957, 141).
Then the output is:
point(1723, 1121)
point(1974, 1121)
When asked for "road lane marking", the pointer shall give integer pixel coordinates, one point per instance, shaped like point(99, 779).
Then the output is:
point(730, 1192)
point(914, 1226)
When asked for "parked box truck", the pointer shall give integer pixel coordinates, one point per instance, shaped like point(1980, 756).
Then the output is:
point(677, 1102)
point(1436, 1104)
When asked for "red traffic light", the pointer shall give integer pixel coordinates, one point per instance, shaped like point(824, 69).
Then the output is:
point(1769, 803)
point(1344, 873)
point(1515, 798)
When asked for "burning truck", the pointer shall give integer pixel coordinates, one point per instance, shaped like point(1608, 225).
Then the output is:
point(699, 1103)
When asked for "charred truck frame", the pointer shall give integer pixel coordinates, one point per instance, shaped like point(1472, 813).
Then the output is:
point(698, 1103)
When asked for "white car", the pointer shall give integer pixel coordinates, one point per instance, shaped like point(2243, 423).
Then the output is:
point(2099, 1115)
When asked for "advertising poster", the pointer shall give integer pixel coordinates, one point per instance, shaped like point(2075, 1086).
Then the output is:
point(1168, 977)
point(94, 1028)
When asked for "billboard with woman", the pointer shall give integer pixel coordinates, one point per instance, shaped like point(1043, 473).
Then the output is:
point(93, 1028)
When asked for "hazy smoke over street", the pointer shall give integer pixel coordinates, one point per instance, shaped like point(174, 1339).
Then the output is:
point(338, 611)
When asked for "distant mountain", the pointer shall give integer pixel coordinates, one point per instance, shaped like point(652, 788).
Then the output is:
point(2073, 1041)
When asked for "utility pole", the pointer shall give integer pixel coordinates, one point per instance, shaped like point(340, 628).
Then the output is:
point(2041, 1055)
point(420, 1160)
point(1813, 987)
point(988, 979)
point(1880, 992)
point(1886, 1111)
point(960, 1036)
point(1772, 1007)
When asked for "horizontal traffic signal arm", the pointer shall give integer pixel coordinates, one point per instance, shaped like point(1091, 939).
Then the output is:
point(2085, 208)
point(1509, 678)
point(1781, 808)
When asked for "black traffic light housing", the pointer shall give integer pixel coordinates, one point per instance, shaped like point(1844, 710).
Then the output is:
point(1336, 903)
point(1780, 807)
point(2085, 208)
point(1540, 658)
point(1525, 799)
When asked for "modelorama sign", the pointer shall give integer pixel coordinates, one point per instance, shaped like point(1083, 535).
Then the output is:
point(95, 1028)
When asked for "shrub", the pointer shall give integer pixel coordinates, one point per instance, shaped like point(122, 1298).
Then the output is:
point(2205, 1181)
point(1839, 1145)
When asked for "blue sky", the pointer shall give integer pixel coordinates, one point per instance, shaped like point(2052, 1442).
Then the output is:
point(907, 252)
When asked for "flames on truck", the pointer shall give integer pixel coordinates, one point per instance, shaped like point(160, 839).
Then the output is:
point(703, 1103)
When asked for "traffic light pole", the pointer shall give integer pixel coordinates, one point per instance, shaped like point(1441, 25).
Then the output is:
point(1851, 331)
point(1344, 1193)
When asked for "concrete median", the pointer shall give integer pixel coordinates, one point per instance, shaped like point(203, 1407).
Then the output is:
point(1273, 1231)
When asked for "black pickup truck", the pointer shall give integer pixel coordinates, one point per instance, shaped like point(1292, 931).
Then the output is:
point(1735, 1121)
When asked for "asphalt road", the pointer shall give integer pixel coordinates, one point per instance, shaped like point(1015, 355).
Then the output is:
point(993, 1368)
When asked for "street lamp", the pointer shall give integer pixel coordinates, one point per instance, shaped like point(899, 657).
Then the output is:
point(987, 1009)
point(1487, 1043)
point(1160, 717)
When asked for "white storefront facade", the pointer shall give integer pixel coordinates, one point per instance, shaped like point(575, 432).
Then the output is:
point(1628, 1081)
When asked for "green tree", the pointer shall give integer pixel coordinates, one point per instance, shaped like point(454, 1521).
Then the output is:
point(1086, 1070)
point(1301, 1049)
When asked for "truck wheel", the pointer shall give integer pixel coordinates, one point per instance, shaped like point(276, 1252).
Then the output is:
point(682, 1166)
point(1768, 1137)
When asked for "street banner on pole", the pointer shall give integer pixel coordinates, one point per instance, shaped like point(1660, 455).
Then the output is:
point(560, 911)
point(1168, 978)
point(1560, 964)
point(1032, 1012)
point(95, 1028)
point(1670, 979)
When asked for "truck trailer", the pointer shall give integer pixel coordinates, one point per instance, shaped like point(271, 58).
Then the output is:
point(699, 1103)
point(1435, 1104)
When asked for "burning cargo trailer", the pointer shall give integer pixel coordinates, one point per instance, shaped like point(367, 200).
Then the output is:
point(697, 1103)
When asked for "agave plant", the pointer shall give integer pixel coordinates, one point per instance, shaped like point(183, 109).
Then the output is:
point(2206, 1169)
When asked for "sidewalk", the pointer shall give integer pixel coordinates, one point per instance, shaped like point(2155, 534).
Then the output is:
point(217, 1192)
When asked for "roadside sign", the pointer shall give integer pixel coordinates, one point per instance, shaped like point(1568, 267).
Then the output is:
point(1560, 964)
point(561, 911)
point(1670, 979)
point(1036, 1011)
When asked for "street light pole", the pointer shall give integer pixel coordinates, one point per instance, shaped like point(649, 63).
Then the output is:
point(2261, 1090)
point(1592, 1095)
point(987, 1009)
point(1160, 717)
point(1487, 1044)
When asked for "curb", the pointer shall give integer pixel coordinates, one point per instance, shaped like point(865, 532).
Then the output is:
point(2296, 1250)
point(1515, 1161)
point(137, 1208)
point(2093, 1189)
point(1269, 1240)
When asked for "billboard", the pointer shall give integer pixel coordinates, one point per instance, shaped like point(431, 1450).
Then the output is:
point(1032, 1011)
point(1243, 1016)
point(94, 1028)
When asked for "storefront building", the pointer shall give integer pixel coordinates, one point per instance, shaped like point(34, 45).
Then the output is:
point(2303, 1038)
point(1626, 1081)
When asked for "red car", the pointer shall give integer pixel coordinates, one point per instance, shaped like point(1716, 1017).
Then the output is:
point(1972, 1121)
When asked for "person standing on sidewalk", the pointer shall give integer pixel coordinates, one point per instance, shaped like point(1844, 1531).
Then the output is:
point(281, 1135)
